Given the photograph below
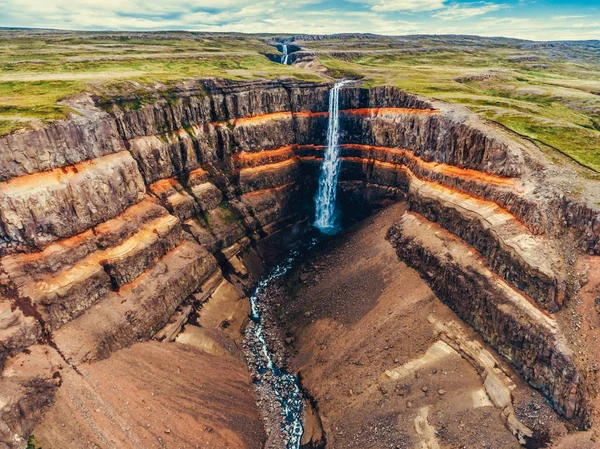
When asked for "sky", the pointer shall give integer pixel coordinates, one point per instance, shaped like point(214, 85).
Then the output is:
point(526, 19)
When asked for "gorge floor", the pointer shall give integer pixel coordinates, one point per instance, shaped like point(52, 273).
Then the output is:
point(360, 331)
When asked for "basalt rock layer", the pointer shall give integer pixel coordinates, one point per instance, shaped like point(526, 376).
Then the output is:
point(110, 221)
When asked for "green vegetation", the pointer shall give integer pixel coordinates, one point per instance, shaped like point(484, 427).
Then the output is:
point(226, 213)
point(21, 102)
point(222, 216)
point(548, 95)
point(32, 443)
point(38, 71)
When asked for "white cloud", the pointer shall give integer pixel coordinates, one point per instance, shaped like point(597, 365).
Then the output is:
point(568, 17)
point(407, 5)
point(143, 14)
point(460, 12)
point(587, 25)
point(393, 17)
point(535, 29)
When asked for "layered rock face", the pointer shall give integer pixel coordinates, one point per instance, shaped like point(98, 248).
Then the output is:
point(111, 221)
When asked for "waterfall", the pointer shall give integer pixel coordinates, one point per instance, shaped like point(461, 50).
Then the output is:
point(284, 58)
point(325, 214)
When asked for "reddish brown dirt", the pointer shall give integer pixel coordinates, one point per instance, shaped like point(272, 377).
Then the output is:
point(155, 395)
point(355, 311)
point(581, 319)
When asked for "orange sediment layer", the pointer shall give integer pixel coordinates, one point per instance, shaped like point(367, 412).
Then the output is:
point(257, 119)
point(261, 118)
point(178, 251)
point(14, 262)
point(147, 206)
point(481, 259)
point(92, 264)
point(388, 111)
point(171, 191)
point(269, 167)
point(59, 176)
point(269, 190)
point(482, 202)
point(198, 175)
point(251, 159)
point(246, 158)
point(304, 114)
point(167, 185)
point(437, 167)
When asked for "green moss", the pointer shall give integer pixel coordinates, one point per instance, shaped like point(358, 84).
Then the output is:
point(205, 222)
point(222, 215)
point(190, 133)
point(228, 214)
point(202, 91)
point(32, 443)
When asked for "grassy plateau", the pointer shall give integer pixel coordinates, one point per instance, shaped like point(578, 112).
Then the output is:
point(547, 92)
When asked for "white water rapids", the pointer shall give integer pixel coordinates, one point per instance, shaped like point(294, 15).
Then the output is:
point(282, 385)
point(325, 213)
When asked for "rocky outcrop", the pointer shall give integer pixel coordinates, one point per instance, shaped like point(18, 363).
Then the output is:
point(17, 330)
point(269, 176)
point(433, 137)
point(41, 208)
point(138, 310)
point(528, 337)
point(66, 278)
point(163, 157)
point(530, 263)
point(59, 145)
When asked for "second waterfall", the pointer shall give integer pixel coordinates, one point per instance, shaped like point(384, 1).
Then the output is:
point(325, 207)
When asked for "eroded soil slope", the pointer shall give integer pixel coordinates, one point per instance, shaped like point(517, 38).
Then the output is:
point(155, 395)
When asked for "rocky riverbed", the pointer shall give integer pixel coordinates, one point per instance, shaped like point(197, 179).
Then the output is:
point(278, 392)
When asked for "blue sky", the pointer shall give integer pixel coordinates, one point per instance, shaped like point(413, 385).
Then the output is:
point(527, 19)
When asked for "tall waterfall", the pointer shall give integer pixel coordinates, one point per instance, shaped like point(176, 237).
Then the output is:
point(325, 215)
point(284, 58)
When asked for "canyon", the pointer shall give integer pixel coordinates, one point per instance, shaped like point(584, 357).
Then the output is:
point(132, 233)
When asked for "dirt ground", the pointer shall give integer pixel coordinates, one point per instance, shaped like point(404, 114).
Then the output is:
point(192, 393)
point(355, 313)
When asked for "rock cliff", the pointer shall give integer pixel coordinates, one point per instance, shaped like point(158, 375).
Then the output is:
point(112, 220)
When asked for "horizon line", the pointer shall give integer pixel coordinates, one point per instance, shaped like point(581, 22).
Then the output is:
point(366, 34)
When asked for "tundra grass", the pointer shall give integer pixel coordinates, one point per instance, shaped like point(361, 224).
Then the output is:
point(550, 95)
point(551, 100)
point(37, 73)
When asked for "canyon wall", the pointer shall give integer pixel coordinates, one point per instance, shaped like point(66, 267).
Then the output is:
point(114, 219)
